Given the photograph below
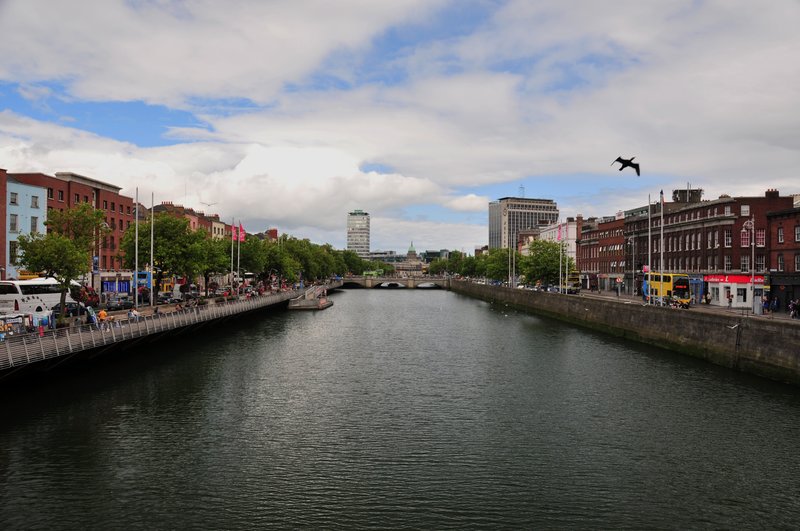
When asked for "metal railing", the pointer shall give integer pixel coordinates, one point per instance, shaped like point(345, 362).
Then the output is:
point(23, 349)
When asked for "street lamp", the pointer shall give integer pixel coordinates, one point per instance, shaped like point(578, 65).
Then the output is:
point(750, 225)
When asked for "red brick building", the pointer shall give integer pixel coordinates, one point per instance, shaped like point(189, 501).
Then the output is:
point(65, 190)
point(784, 249)
point(709, 240)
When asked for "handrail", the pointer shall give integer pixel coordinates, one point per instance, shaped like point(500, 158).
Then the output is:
point(23, 349)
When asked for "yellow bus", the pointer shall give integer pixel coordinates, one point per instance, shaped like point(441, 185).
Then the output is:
point(672, 287)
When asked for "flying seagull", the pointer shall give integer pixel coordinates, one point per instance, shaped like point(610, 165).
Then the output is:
point(625, 163)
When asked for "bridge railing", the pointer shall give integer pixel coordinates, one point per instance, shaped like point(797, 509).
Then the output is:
point(22, 349)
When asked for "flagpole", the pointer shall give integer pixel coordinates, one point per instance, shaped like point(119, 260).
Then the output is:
point(233, 238)
point(560, 255)
point(661, 241)
point(152, 257)
point(239, 258)
point(136, 259)
point(649, 252)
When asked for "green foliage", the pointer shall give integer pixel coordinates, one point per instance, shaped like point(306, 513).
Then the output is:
point(65, 252)
point(542, 264)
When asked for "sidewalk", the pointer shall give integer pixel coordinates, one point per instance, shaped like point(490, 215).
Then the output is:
point(709, 308)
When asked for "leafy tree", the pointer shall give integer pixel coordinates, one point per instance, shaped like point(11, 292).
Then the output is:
point(65, 252)
point(497, 264)
point(542, 263)
point(177, 249)
point(216, 259)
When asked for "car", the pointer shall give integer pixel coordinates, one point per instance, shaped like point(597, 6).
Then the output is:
point(119, 303)
point(73, 309)
point(165, 297)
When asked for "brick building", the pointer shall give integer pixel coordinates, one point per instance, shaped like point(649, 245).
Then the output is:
point(784, 249)
point(709, 241)
point(65, 190)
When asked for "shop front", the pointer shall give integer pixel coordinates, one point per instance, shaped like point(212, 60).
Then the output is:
point(734, 290)
point(785, 287)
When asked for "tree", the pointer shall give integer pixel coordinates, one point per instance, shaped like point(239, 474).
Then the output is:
point(216, 258)
point(177, 249)
point(497, 264)
point(542, 263)
point(65, 252)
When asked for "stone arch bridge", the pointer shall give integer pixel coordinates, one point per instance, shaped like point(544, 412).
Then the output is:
point(396, 282)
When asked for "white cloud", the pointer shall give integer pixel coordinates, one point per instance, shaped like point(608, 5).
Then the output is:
point(468, 203)
point(540, 92)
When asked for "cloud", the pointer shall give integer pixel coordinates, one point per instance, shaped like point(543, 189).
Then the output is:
point(468, 203)
point(540, 94)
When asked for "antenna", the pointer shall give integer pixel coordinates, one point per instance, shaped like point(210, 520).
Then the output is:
point(521, 191)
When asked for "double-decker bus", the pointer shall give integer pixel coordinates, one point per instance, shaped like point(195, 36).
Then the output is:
point(671, 287)
point(572, 283)
point(29, 296)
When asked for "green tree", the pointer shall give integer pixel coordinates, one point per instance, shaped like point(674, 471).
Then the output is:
point(177, 249)
point(497, 264)
point(65, 252)
point(542, 262)
point(216, 258)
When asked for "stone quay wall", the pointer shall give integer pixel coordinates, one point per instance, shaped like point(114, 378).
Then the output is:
point(755, 345)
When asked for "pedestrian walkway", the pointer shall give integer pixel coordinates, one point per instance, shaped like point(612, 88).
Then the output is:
point(22, 350)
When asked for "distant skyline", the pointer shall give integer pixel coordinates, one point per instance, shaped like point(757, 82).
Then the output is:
point(290, 114)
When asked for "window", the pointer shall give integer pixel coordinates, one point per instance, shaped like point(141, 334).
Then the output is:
point(745, 210)
point(77, 199)
point(728, 237)
point(760, 263)
point(728, 210)
point(797, 263)
point(781, 265)
point(797, 233)
point(34, 201)
point(745, 238)
point(121, 209)
point(86, 199)
point(780, 234)
point(741, 294)
point(745, 264)
point(761, 237)
point(129, 211)
point(105, 204)
point(12, 223)
point(728, 263)
point(113, 208)
point(49, 193)
point(716, 239)
point(34, 224)
point(13, 198)
point(13, 251)
point(61, 195)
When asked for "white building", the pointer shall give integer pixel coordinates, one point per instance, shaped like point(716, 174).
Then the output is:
point(358, 233)
point(568, 232)
point(509, 215)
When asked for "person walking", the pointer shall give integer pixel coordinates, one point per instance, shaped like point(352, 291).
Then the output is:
point(730, 300)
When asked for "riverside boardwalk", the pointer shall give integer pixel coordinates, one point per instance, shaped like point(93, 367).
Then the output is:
point(50, 348)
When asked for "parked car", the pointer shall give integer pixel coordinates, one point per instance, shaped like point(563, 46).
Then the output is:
point(119, 303)
point(164, 297)
point(73, 309)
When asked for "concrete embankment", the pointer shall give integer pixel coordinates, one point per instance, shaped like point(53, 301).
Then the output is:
point(756, 345)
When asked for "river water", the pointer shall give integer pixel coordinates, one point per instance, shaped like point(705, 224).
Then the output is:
point(400, 409)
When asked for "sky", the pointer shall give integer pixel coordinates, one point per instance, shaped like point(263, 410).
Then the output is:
point(290, 114)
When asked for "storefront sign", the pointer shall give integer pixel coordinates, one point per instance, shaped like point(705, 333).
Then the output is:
point(733, 279)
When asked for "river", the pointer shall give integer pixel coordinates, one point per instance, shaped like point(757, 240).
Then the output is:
point(401, 409)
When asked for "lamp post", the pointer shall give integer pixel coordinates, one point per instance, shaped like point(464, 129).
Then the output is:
point(750, 225)
point(632, 241)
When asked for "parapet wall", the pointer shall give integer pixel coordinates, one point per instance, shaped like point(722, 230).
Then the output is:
point(756, 345)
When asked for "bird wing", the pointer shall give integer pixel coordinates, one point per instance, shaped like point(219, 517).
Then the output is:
point(635, 166)
point(618, 159)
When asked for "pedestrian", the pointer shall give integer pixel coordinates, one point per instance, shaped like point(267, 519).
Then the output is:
point(774, 304)
point(101, 317)
point(730, 300)
point(765, 304)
